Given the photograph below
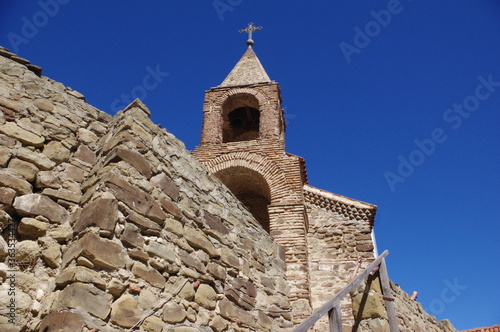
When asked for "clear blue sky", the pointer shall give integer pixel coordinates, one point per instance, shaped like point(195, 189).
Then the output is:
point(395, 103)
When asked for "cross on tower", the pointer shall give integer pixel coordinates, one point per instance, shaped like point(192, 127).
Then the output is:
point(249, 30)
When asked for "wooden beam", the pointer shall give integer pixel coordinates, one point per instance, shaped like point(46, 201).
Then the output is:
point(325, 308)
point(335, 318)
point(389, 300)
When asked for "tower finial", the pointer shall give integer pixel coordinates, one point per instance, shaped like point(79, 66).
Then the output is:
point(249, 30)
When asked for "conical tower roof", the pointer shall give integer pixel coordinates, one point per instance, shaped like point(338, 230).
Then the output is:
point(248, 70)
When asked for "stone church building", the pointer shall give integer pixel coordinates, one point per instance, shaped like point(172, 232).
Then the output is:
point(109, 224)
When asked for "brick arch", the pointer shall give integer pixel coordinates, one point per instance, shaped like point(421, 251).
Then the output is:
point(261, 97)
point(272, 173)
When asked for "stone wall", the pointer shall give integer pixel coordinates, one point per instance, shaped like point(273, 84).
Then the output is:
point(370, 314)
point(110, 223)
point(336, 241)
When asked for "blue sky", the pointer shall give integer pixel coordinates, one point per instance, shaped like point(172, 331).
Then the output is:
point(395, 103)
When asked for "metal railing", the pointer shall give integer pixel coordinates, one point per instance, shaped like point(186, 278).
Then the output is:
point(332, 307)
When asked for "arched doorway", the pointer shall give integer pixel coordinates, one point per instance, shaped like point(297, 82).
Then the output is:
point(251, 189)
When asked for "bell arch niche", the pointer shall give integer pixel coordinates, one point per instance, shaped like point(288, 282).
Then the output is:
point(251, 189)
point(241, 118)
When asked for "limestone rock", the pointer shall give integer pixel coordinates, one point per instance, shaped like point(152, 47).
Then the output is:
point(86, 297)
point(32, 228)
point(44, 105)
point(136, 199)
point(51, 254)
point(147, 300)
point(85, 154)
point(124, 311)
point(173, 313)
point(4, 249)
point(218, 324)
point(132, 236)
point(79, 274)
point(56, 152)
point(206, 296)
point(167, 185)
point(26, 169)
point(7, 196)
point(186, 292)
point(36, 204)
point(5, 155)
point(149, 274)
point(26, 137)
point(47, 179)
point(27, 252)
point(10, 179)
point(116, 287)
point(199, 240)
point(231, 311)
point(160, 250)
point(131, 157)
point(183, 329)
point(64, 321)
point(153, 324)
point(101, 252)
point(102, 212)
point(62, 194)
point(40, 160)
point(371, 304)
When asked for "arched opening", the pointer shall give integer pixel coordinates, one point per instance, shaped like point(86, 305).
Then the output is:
point(241, 118)
point(251, 189)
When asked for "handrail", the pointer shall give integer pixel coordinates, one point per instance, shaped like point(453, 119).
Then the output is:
point(332, 307)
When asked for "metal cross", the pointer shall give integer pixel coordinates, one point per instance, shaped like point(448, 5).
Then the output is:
point(249, 30)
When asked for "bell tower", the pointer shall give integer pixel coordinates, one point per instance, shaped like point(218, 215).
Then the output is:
point(243, 144)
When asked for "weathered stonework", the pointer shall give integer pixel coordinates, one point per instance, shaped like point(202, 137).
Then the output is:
point(115, 218)
point(117, 225)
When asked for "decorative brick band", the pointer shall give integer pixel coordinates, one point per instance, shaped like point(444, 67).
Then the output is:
point(344, 206)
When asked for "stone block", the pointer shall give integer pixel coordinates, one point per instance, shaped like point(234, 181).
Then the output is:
point(26, 169)
point(173, 313)
point(5, 155)
point(160, 250)
point(132, 158)
point(147, 300)
point(11, 179)
point(79, 274)
point(368, 305)
point(32, 228)
point(11, 129)
point(40, 205)
point(7, 196)
point(85, 154)
point(102, 213)
point(47, 179)
point(136, 199)
point(206, 296)
point(218, 324)
point(153, 324)
point(131, 236)
point(101, 252)
point(124, 311)
point(198, 240)
point(116, 287)
point(230, 311)
point(56, 152)
point(167, 185)
point(27, 252)
point(171, 208)
point(146, 225)
point(84, 297)
point(62, 194)
point(64, 321)
point(40, 160)
point(179, 285)
point(149, 274)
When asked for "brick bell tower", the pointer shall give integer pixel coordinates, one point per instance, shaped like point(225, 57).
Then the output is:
point(243, 144)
